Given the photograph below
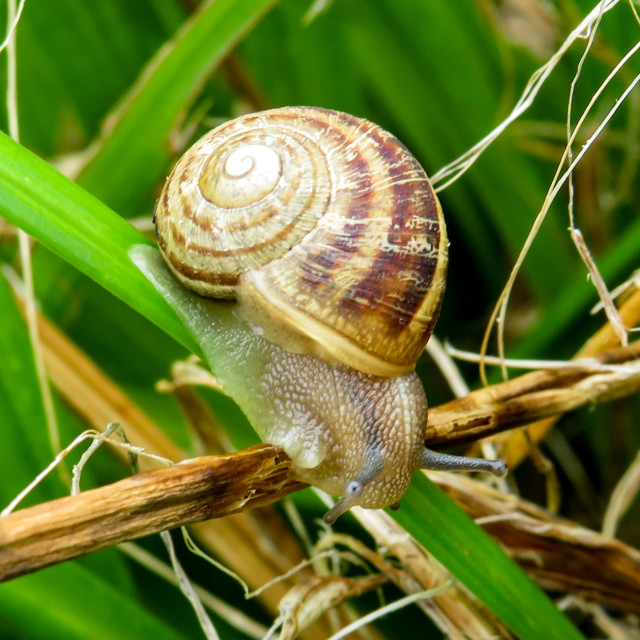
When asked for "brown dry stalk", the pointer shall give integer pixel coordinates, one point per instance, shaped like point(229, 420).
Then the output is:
point(518, 445)
point(153, 501)
point(313, 597)
point(559, 554)
point(531, 397)
point(215, 486)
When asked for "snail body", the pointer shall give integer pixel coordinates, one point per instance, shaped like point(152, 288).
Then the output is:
point(327, 232)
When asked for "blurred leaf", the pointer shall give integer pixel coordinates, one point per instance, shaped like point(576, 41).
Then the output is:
point(69, 601)
point(64, 95)
point(122, 173)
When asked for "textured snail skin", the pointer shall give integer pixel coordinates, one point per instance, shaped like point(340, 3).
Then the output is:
point(341, 423)
point(327, 232)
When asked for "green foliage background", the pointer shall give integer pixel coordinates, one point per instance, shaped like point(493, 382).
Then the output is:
point(439, 75)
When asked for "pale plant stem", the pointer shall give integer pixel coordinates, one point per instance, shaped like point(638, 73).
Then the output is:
point(576, 234)
point(292, 572)
point(84, 458)
point(45, 472)
point(188, 589)
point(31, 314)
point(233, 616)
point(14, 13)
point(632, 281)
point(14, 19)
point(297, 523)
point(459, 166)
point(196, 550)
point(393, 606)
point(571, 134)
point(583, 364)
point(85, 435)
point(443, 360)
point(606, 297)
point(184, 584)
point(248, 594)
point(557, 183)
point(624, 493)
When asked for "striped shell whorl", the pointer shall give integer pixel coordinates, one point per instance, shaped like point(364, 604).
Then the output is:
point(322, 224)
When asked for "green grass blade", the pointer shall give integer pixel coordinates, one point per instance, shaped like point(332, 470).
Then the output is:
point(22, 417)
point(468, 552)
point(79, 228)
point(70, 602)
point(134, 148)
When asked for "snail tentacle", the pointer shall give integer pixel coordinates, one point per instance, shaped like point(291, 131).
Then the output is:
point(437, 461)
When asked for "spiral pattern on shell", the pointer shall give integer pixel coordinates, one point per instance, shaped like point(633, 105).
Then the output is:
point(322, 224)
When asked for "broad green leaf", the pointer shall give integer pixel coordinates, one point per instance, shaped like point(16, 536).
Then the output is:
point(23, 435)
point(70, 601)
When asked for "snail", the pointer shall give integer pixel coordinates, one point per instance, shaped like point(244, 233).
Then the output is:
point(327, 234)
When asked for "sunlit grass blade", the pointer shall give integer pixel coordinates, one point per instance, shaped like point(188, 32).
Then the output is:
point(79, 228)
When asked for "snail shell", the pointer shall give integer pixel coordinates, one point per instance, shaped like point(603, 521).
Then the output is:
point(324, 227)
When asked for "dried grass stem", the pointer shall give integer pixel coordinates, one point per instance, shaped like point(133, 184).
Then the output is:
point(215, 486)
